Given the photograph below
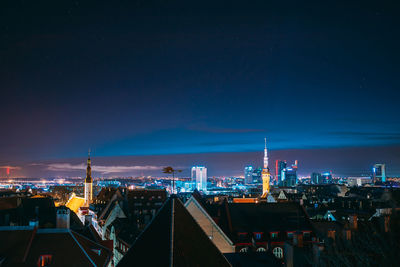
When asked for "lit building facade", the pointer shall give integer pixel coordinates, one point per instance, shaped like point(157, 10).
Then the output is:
point(88, 184)
point(379, 172)
point(280, 165)
point(316, 178)
point(199, 176)
point(248, 174)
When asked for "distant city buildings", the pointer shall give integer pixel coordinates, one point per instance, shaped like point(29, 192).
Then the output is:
point(316, 178)
point(327, 177)
point(289, 175)
point(199, 176)
point(379, 173)
point(280, 166)
point(248, 174)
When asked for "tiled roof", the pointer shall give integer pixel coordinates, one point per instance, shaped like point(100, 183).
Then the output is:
point(23, 247)
point(75, 203)
point(173, 238)
point(263, 217)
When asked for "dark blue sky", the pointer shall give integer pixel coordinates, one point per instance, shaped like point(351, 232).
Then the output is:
point(173, 77)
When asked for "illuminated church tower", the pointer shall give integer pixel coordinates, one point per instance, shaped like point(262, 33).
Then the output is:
point(88, 183)
point(265, 173)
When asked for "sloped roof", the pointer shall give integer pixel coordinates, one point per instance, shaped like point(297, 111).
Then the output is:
point(74, 203)
point(264, 217)
point(24, 247)
point(9, 202)
point(173, 238)
point(253, 259)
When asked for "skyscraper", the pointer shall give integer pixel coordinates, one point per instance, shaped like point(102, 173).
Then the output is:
point(327, 177)
point(280, 165)
point(199, 176)
point(316, 178)
point(248, 174)
point(265, 173)
point(379, 172)
point(88, 183)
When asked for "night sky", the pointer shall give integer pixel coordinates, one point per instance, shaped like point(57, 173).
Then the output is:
point(148, 83)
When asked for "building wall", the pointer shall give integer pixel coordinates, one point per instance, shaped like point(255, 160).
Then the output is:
point(209, 227)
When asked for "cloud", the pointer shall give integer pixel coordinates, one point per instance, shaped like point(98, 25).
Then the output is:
point(99, 168)
point(369, 135)
point(224, 130)
point(10, 167)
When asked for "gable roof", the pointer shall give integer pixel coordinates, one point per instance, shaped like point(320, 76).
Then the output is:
point(176, 239)
point(264, 217)
point(23, 246)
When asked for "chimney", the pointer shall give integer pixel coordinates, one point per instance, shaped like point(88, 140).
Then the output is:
point(88, 220)
point(331, 234)
point(63, 218)
point(347, 234)
point(353, 222)
point(298, 239)
point(385, 223)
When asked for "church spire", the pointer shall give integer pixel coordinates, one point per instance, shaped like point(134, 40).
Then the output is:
point(265, 154)
point(88, 170)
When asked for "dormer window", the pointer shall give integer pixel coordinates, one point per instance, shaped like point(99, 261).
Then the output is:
point(290, 235)
point(44, 260)
point(274, 235)
point(257, 235)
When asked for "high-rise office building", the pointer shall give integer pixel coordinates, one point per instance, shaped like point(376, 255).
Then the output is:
point(257, 175)
point(248, 174)
point(290, 175)
point(327, 177)
point(379, 172)
point(280, 165)
point(199, 176)
point(316, 178)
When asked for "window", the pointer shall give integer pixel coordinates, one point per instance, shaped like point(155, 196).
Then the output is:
point(44, 260)
point(245, 249)
point(258, 235)
point(274, 235)
point(306, 234)
point(290, 234)
point(278, 252)
point(261, 249)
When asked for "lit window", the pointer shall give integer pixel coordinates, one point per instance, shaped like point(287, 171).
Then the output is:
point(261, 249)
point(245, 249)
point(278, 252)
point(274, 235)
point(257, 236)
point(44, 260)
point(290, 234)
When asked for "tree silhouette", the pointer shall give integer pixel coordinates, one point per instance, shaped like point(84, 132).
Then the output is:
point(170, 170)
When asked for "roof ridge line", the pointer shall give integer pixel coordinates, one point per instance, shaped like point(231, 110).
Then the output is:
point(84, 251)
point(84, 237)
point(28, 247)
point(194, 200)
